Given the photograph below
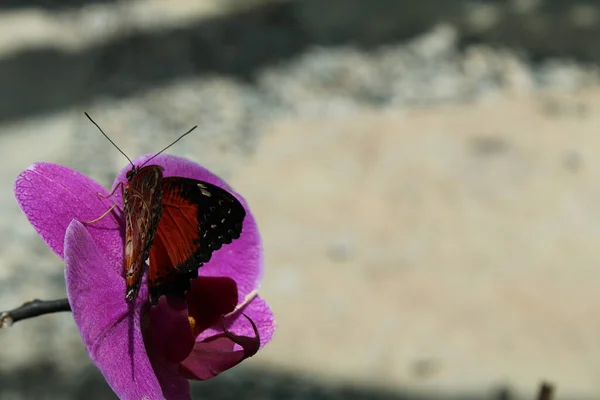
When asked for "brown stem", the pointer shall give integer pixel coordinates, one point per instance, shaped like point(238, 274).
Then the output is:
point(33, 308)
point(546, 391)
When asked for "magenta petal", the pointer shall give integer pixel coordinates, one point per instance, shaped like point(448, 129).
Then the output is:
point(109, 326)
point(258, 310)
point(51, 196)
point(242, 259)
point(217, 354)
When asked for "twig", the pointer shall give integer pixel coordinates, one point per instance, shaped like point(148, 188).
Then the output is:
point(32, 309)
point(546, 391)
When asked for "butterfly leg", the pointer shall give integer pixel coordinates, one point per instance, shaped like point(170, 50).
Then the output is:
point(106, 197)
point(100, 217)
point(113, 191)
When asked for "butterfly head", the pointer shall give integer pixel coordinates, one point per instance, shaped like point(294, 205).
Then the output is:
point(131, 173)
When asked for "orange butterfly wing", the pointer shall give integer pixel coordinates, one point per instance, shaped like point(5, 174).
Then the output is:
point(197, 219)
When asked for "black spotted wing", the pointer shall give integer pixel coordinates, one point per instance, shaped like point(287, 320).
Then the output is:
point(197, 219)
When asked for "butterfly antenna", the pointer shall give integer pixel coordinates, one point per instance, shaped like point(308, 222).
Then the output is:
point(106, 136)
point(177, 140)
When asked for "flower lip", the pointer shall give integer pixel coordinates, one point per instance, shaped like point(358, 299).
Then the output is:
point(220, 352)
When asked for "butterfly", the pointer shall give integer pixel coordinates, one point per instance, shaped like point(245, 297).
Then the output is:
point(176, 223)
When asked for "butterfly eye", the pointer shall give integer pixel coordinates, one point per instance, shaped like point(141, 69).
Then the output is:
point(131, 173)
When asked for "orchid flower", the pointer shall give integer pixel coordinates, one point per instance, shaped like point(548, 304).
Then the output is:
point(143, 351)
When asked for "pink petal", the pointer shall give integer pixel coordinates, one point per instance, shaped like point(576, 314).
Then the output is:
point(51, 196)
point(109, 326)
point(241, 260)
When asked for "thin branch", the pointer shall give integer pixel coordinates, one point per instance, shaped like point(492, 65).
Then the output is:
point(546, 391)
point(31, 309)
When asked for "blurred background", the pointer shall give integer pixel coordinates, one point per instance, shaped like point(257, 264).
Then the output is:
point(425, 174)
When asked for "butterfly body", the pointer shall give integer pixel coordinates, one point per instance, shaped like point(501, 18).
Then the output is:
point(177, 223)
point(143, 209)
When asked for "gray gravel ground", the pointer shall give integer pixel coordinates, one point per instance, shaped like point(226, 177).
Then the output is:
point(43, 359)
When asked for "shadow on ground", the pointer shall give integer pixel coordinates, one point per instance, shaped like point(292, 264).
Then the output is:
point(239, 44)
point(48, 4)
point(44, 382)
